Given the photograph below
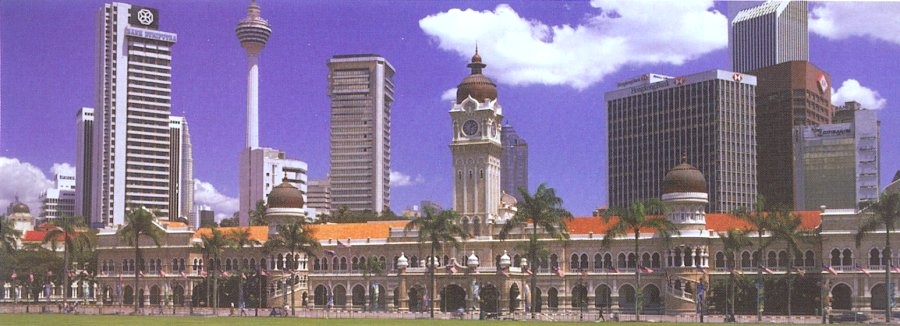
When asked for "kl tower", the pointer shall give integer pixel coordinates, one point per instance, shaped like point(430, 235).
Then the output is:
point(253, 31)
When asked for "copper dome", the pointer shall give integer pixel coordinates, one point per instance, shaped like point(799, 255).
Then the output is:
point(19, 207)
point(285, 195)
point(684, 178)
point(479, 86)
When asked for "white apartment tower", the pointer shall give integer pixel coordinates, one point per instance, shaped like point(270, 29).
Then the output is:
point(771, 33)
point(476, 116)
point(59, 201)
point(84, 164)
point(261, 170)
point(132, 142)
point(361, 88)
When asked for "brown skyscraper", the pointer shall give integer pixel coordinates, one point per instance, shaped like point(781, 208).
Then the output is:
point(793, 93)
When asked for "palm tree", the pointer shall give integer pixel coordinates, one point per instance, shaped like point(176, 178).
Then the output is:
point(759, 222)
point(370, 267)
point(637, 216)
point(212, 245)
point(785, 227)
point(733, 241)
point(74, 236)
point(437, 230)
point(241, 239)
point(296, 238)
point(140, 222)
point(258, 214)
point(9, 236)
point(544, 209)
point(887, 215)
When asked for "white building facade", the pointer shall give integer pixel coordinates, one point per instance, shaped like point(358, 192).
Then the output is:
point(59, 201)
point(261, 170)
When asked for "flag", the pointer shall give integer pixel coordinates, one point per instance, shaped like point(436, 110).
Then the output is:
point(14, 275)
point(330, 253)
point(203, 273)
point(528, 271)
point(831, 270)
point(243, 276)
point(30, 277)
point(163, 273)
point(800, 271)
point(451, 269)
point(263, 272)
point(71, 274)
point(344, 245)
point(766, 270)
point(584, 271)
point(896, 269)
point(504, 271)
point(559, 271)
point(141, 273)
point(863, 270)
point(645, 270)
point(183, 274)
point(614, 269)
point(226, 274)
point(701, 270)
point(736, 271)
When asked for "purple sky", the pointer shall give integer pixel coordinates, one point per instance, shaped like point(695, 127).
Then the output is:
point(552, 61)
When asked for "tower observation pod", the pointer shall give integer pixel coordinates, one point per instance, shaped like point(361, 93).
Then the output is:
point(253, 32)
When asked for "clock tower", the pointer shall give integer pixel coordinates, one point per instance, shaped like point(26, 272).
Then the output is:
point(476, 117)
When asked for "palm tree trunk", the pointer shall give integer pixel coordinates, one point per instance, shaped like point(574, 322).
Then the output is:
point(533, 258)
point(637, 272)
point(293, 261)
point(887, 273)
point(431, 293)
point(790, 279)
point(215, 290)
point(65, 268)
point(759, 276)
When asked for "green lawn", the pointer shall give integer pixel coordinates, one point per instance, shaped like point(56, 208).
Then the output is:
point(87, 320)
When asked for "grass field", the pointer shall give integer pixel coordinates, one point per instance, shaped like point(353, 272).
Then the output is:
point(89, 320)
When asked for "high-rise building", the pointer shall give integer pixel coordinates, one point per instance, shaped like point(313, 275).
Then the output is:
point(361, 88)
point(84, 164)
point(59, 201)
point(476, 117)
point(261, 170)
point(181, 169)
point(789, 94)
point(894, 185)
point(709, 117)
point(838, 163)
point(513, 162)
point(771, 33)
point(131, 143)
point(319, 196)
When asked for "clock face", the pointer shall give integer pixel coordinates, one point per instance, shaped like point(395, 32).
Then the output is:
point(470, 127)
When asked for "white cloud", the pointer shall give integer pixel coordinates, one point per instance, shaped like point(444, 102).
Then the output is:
point(398, 179)
point(840, 20)
point(62, 168)
point(851, 90)
point(449, 95)
point(206, 194)
point(23, 180)
point(522, 51)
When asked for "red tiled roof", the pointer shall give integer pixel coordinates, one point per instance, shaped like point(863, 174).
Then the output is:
point(38, 236)
point(258, 233)
point(718, 222)
point(338, 231)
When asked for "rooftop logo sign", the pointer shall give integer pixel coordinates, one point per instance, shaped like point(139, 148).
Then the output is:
point(143, 17)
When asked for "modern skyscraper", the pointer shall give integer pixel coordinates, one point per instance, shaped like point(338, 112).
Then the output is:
point(513, 162)
point(476, 116)
point(181, 169)
point(707, 117)
point(789, 94)
point(132, 137)
point(319, 196)
point(838, 163)
point(59, 201)
point(261, 170)
point(771, 33)
point(361, 87)
point(84, 164)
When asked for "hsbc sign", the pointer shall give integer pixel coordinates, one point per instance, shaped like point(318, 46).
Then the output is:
point(823, 82)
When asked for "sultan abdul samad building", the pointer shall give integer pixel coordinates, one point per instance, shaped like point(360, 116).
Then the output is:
point(485, 272)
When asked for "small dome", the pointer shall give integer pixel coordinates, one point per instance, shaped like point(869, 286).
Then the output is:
point(477, 85)
point(402, 262)
point(508, 199)
point(684, 178)
point(285, 195)
point(19, 207)
point(472, 260)
point(505, 261)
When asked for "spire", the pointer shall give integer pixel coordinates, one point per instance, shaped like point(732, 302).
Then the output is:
point(253, 9)
point(476, 64)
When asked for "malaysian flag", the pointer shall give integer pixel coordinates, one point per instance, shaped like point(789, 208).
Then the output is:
point(243, 276)
point(863, 270)
point(830, 269)
point(800, 271)
point(330, 253)
point(30, 277)
point(163, 273)
point(895, 269)
point(226, 274)
point(451, 269)
point(263, 272)
point(766, 270)
point(203, 273)
point(559, 271)
point(736, 271)
point(645, 270)
point(183, 274)
point(141, 273)
point(344, 245)
point(13, 275)
point(528, 271)
point(701, 270)
point(614, 269)
point(504, 271)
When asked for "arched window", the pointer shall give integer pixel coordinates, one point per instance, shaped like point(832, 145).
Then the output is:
point(598, 262)
point(677, 257)
point(773, 259)
point(874, 258)
point(573, 262)
point(688, 260)
point(782, 259)
point(607, 261)
point(745, 260)
point(343, 263)
point(835, 257)
point(632, 260)
point(655, 261)
point(317, 265)
point(720, 260)
point(621, 261)
point(848, 258)
point(645, 260)
point(810, 258)
point(516, 261)
point(584, 262)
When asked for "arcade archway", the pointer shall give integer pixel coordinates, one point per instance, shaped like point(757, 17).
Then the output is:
point(453, 298)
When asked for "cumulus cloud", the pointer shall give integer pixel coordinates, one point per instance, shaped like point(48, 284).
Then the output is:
point(851, 90)
point(206, 194)
point(62, 168)
point(522, 51)
point(840, 20)
point(449, 95)
point(23, 180)
point(399, 179)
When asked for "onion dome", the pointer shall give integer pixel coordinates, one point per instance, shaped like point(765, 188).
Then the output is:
point(508, 199)
point(402, 262)
point(253, 31)
point(684, 178)
point(505, 261)
point(285, 195)
point(479, 86)
point(19, 207)
point(472, 260)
